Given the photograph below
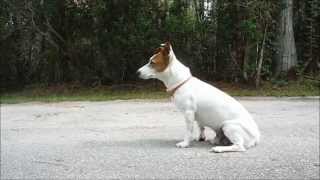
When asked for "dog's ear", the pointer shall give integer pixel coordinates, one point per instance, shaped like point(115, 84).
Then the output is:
point(166, 48)
point(156, 51)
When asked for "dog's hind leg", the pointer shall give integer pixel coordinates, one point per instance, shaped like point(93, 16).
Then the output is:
point(220, 139)
point(234, 135)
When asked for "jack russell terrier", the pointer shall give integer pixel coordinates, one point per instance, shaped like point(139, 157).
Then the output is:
point(234, 127)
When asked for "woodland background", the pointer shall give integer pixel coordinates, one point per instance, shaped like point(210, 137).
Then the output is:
point(103, 42)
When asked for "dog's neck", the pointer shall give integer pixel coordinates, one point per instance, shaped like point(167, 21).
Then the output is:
point(175, 74)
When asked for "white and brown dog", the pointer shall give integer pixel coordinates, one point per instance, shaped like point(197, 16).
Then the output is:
point(234, 127)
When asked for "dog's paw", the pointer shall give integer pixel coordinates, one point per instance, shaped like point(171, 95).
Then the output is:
point(214, 142)
point(233, 148)
point(217, 149)
point(183, 144)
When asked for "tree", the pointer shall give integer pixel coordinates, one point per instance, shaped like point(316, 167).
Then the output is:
point(307, 33)
point(103, 42)
point(287, 48)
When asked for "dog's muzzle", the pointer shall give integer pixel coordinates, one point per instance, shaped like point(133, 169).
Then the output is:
point(138, 73)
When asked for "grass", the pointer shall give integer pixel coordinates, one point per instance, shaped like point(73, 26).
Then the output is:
point(79, 95)
point(67, 93)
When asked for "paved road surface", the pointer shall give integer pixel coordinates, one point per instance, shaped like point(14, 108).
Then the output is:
point(136, 139)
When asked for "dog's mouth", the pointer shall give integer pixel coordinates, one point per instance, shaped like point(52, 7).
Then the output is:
point(144, 75)
point(141, 76)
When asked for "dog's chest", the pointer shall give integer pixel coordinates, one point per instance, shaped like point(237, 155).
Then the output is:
point(205, 102)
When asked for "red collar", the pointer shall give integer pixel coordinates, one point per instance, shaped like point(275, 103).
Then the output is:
point(173, 90)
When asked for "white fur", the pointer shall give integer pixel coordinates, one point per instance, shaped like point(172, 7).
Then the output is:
point(207, 105)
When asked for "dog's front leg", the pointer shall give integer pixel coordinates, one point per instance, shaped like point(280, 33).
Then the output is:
point(189, 119)
point(202, 136)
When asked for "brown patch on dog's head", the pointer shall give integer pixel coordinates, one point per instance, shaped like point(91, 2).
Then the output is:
point(160, 59)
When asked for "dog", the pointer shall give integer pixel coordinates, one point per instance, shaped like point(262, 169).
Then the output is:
point(199, 101)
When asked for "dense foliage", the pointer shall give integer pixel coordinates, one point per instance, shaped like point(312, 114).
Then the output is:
point(99, 42)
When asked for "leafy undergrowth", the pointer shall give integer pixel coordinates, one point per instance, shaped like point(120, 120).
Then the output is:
point(288, 89)
point(154, 91)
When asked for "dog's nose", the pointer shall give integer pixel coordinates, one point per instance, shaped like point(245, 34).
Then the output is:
point(138, 73)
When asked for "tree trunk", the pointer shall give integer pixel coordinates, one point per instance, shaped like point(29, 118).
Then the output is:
point(259, 67)
point(239, 15)
point(214, 9)
point(162, 12)
point(287, 50)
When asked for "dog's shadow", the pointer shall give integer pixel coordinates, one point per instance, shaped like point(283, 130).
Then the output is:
point(145, 143)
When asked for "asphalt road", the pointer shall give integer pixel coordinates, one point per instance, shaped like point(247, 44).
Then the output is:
point(136, 139)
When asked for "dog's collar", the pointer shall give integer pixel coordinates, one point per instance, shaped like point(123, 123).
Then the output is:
point(171, 91)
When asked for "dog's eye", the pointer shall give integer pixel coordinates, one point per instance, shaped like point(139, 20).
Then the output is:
point(152, 62)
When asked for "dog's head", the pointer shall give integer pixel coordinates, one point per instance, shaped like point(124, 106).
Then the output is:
point(158, 62)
